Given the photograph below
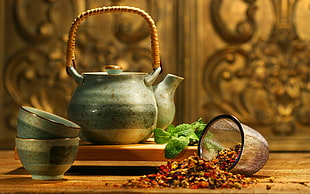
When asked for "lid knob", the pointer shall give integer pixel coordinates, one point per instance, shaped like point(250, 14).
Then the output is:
point(113, 69)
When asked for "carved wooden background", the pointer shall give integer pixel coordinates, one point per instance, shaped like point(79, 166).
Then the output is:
point(248, 58)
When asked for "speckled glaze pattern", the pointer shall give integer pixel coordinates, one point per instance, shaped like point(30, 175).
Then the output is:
point(47, 159)
point(114, 109)
point(39, 124)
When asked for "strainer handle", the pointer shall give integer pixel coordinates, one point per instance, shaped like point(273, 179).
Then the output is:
point(70, 56)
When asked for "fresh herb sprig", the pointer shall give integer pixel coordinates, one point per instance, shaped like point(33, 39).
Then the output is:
point(179, 137)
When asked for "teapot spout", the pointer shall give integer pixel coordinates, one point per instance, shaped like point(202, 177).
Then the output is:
point(164, 94)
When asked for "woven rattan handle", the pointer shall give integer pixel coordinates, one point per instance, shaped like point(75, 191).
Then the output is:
point(70, 57)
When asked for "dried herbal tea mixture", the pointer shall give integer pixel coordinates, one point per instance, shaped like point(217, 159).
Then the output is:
point(227, 157)
point(195, 172)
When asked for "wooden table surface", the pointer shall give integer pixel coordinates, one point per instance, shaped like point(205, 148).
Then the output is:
point(290, 170)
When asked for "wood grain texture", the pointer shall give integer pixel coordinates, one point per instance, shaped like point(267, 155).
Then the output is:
point(291, 172)
point(135, 152)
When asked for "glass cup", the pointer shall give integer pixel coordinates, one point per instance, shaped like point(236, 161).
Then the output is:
point(226, 131)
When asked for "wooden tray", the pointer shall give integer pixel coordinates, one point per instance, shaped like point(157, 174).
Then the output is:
point(148, 151)
point(135, 152)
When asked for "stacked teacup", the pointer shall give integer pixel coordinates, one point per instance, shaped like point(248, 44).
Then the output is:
point(46, 144)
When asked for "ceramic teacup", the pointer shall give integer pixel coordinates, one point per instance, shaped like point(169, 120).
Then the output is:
point(38, 124)
point(47, 159)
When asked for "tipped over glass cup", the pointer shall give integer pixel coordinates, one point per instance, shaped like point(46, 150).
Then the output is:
point(226, 132)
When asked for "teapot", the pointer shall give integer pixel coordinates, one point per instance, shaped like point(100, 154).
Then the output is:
point(116, 107)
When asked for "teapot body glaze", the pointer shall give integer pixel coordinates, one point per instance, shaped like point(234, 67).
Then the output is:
point(116, 107)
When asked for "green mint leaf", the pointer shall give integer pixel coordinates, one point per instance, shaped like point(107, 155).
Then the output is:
point(187, 130)
point(182, 127)
point(175, 146)
point(161, 136)
point(189, 133)
point(179, 137)
point(199, 126)
point(171, 129)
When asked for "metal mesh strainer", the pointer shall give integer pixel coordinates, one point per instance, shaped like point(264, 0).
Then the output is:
point(225, 131)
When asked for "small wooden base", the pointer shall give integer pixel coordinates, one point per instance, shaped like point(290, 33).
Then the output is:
point(148, 151)
point(135, 152)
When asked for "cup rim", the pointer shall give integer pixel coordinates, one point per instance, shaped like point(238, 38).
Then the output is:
point(237, 122)
point(57, 139)
point(29, 109)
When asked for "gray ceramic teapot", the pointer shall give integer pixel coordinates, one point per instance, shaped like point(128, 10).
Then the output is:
point(116, 107)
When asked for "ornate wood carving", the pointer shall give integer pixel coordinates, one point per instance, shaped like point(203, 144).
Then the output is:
point(268, 84)
point(244, 29)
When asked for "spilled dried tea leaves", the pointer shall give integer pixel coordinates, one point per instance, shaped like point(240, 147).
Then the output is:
point(195, 172)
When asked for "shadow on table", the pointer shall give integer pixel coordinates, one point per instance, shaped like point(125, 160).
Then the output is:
point(18, 171)
point(27, 180)
point(112, 170)
point(99, 170)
